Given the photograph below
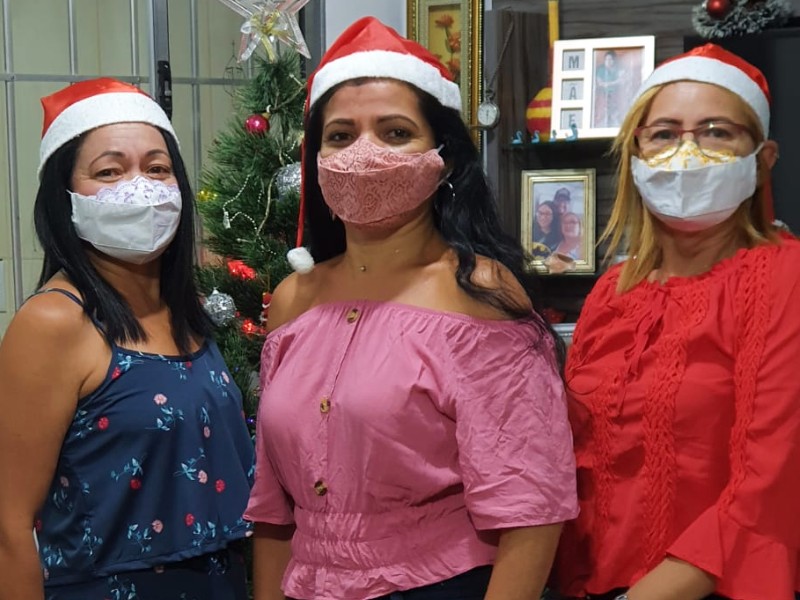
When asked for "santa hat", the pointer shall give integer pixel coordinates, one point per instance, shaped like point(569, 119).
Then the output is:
point(712, 64)
point(89, 104)
point(368, 48)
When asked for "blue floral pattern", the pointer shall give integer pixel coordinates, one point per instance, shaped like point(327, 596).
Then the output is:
point(142, 481)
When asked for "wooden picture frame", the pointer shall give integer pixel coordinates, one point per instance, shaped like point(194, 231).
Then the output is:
point(595, 81)
point(453, 31)
point(558, 220)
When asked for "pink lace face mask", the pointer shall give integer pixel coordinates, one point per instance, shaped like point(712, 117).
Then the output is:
point(367, 184)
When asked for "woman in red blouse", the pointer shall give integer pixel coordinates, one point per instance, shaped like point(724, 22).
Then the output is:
point(684, 372)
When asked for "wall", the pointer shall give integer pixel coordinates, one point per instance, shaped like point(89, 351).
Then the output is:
point(341, 13)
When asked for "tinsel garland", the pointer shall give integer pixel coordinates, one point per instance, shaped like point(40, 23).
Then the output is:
point(745, 17)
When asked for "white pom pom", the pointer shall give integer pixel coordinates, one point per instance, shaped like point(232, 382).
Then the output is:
point(301, 260)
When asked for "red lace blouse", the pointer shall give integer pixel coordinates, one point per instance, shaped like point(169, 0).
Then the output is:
point(685, 407)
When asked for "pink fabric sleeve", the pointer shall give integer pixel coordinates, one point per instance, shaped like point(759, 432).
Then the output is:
point(514, 439)
point(269, 502)
point(750, 540)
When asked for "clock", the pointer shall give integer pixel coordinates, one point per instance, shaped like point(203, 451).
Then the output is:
point(488, 114)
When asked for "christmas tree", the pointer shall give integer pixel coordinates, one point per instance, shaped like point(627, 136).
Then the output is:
point(718, 19)
point(249, 200)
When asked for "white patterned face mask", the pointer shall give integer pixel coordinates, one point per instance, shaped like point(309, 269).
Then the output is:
point(693, 189)
point(133, 221)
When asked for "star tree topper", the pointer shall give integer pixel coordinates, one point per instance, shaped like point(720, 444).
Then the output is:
point(267, 22)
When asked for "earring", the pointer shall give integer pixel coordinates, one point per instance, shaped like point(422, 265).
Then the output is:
point(452, 189)
point(333, 214)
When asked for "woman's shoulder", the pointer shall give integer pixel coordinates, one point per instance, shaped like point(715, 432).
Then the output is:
point(784, 266)
point(494, 276)
point(55, 311)
point(779, 260)
point(297, 293)
point(52, 329)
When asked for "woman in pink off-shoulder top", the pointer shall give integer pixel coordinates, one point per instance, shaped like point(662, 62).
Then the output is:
point(413, 441)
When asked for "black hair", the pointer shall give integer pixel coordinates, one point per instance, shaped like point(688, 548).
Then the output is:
point(465, 216)
point(65, 251)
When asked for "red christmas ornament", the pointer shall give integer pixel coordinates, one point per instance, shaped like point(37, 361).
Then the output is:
point(238, 269)
point(718, 9)
point(250, 328)
point(257, 124)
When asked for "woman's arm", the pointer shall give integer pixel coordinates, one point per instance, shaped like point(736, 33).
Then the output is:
point(673, 579)
point(40, 378)
point(524, 559)
point(271, 554)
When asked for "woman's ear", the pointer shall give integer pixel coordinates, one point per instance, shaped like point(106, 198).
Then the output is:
point(769, 153)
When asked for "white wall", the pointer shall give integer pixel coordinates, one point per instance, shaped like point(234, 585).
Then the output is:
point(339, 14)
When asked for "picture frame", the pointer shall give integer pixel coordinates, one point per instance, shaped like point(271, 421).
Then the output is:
point(594, 82)
point(452, 30)
point(563, 241)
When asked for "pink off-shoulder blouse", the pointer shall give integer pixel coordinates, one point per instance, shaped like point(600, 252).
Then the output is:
point(399, 440)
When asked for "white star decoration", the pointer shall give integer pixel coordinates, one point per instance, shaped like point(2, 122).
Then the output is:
point(267, 22)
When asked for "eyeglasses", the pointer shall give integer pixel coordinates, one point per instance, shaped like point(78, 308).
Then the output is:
point(714, 137)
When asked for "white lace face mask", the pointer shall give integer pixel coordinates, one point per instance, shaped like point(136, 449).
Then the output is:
point(133, 221)
point(693, 190)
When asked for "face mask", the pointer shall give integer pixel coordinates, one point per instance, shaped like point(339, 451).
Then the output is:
point(134, 221)
point(367, 184)
point(692, 190)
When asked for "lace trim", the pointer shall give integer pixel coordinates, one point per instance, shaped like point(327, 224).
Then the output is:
point(753, 300)
point(139, 190)
point(660, 469)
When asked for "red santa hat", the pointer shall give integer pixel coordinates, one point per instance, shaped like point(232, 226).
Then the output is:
point(368, 48)
point(89, 104)
point(712, 64)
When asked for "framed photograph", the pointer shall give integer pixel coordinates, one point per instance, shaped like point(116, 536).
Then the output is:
point(452, 31)
point(595, 81)
point(558, 220)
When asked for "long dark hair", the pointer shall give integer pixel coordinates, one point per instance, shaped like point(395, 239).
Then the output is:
point(65, 251)
point(466, 216)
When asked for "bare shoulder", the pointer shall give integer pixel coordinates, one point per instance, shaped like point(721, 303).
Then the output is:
point(50, 339)
point(489, 275)
point(50, 317)
point(292, 297)
point(494, 275)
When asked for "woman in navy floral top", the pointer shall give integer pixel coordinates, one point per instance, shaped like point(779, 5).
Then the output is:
point(122, 441)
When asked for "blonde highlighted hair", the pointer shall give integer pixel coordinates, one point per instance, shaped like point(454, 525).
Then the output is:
point(632, 229)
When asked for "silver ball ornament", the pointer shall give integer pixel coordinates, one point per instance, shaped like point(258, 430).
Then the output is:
point(220, 307)
point(287, 180)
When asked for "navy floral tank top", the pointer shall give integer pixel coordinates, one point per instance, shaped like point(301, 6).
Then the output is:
point(156, 467)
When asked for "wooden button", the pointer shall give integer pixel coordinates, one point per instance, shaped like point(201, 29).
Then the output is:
point(320, 489)
point(352, 316)
point(325, 405)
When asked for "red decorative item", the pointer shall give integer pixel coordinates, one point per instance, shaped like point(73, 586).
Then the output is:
point(718, 9)
point(257, 124)
point(250, 328)
point(553, 316)
point(238, 269)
